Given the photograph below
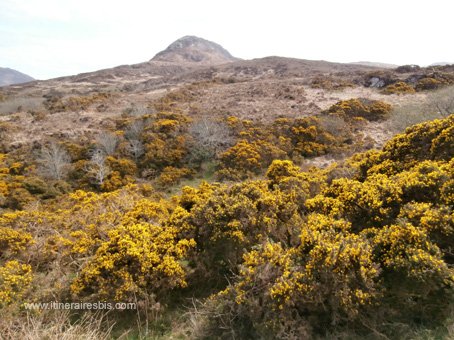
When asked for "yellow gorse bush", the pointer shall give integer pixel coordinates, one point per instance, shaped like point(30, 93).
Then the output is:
point(135, 258)
point(378, 240)
point(15, 278)
point(95, 236)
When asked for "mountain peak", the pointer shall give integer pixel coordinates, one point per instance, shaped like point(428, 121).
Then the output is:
point(195, 50)
point(9, 76)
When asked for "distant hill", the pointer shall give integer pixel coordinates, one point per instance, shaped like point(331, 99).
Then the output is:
point(195, 50)
point(374, 64)
point(9, 77)
point(441, 63)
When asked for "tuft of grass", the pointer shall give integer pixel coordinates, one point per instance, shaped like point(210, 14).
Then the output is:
point(56, 325)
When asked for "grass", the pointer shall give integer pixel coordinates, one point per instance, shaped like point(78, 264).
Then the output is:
point(438, 104)
point(17, 104)
point(56, 325)
point(205, 175)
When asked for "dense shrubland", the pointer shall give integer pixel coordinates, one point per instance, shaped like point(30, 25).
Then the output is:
point(168, 148)
point(358, 249)
point(261, 249)
point(374, 249)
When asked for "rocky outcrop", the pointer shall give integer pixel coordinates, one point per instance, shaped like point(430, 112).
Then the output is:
point(195, 50)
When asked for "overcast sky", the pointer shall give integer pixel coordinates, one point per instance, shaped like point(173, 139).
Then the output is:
point(51, 38)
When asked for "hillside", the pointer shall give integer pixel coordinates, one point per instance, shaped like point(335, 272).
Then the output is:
point(259, 89)
point(216, 198)
point(9, 76)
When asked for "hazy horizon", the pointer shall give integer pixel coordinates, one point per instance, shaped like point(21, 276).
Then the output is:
point(51, 38)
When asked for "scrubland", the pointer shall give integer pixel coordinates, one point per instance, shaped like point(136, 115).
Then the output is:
point(230, 208)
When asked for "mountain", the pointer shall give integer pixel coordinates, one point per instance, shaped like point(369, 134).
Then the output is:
point(374, 64)
point(195, 50)
point(441, 63)
point(9, 77)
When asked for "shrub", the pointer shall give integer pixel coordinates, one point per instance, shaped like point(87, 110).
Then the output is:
point(165, 140)
point(209, 138)
point(45, 190)
point(423, 141)
point(135, 259)
point(441, 101)
point(244, 157)
point(399, 88)
point(331, 277)
point(225, 221)
point(261, 143)
point(328, 83)
point(56, 102)
point(407, 68)
point(365, 245)
point(172, 99)
point(20, 104)
point(115, 181)
point(15, 278)
point(124, 166)
point(371, 203)
point(13, 195)
point(308, 139)
point(160, 153)
point(112, 245)
point(172, 176)
point(13, 241)
point(372, 110)
point(429, 84)
point(280, 169)
point(438, 104)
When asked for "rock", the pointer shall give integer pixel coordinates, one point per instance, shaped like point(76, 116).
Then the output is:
point(195, 50)
point(376, 82)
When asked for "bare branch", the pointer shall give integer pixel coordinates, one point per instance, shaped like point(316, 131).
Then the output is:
point(136, 148)
point(54, 161)
point(97, 168)
point(210, 135)
point(108, 142)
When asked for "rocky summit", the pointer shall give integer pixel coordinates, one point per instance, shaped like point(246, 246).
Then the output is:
point(195, 50)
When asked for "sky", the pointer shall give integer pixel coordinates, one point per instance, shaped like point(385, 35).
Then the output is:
point(52, 38)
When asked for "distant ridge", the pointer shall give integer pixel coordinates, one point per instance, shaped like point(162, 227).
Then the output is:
point(9, 76)
point(195, 50)
point(374, 64)
point(441, 63)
